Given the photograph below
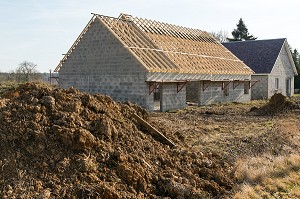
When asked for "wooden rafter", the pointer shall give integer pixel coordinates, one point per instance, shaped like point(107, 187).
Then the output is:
point(139, 43)
point(225, 84)
point(152, 86)
point(205, 85)
point(236, 83)
point(252, 83)
point(180, 85)
point(163, 47)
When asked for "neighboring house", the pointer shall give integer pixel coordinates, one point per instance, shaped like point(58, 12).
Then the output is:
point(272, 62)
point(149, 63)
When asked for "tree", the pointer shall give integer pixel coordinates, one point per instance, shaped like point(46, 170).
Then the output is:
point(296, 58)
point(241, 33)
point(27, 72)
point(221, 36)
point(295, 55)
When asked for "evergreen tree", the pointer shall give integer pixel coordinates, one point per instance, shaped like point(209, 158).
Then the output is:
point(241, 33)
point(296, 58)
point(295, 55)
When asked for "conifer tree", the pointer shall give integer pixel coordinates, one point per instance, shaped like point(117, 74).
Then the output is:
point(241, 33)
point(296, 58)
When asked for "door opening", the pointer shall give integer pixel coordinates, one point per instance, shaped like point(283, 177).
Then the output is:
point(288, 87)
point(156, 95)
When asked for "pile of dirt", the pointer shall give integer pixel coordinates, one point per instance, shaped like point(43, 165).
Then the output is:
point(277, 104)
point(58, 143)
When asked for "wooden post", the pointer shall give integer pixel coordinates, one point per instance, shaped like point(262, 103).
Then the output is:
point(50, 78)
point(162, 138)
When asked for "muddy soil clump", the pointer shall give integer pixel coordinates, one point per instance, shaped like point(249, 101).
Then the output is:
point(62, 143)
point(277, 104)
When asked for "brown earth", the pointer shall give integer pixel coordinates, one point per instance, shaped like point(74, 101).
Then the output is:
point(58, 143)
point(237, 130)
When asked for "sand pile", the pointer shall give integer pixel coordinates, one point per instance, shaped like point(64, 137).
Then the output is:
point(58, 143)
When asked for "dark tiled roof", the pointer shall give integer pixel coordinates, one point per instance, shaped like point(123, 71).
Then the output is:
point(259, 55)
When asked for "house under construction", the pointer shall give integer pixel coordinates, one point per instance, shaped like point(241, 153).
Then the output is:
point(149, 62)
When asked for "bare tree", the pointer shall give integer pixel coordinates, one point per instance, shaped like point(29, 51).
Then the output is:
point(220, 35)
point(27, 72)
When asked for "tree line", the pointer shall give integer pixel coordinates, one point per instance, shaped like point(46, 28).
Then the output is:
point(25, 72)
point(241, 34)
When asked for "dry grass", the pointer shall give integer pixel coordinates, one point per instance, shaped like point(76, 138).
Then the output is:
point(269, 177)
point(233, 132)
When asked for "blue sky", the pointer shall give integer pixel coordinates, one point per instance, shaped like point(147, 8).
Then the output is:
point(40, 31)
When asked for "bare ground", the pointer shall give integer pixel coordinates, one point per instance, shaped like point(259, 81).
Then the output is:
point(235, 132)
point(59, 143)
point(231, 130)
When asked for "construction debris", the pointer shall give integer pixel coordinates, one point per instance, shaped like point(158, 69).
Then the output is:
point(156, 133)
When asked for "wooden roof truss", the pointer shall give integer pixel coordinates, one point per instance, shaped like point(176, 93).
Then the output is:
point(163, 47)
point(135, 40)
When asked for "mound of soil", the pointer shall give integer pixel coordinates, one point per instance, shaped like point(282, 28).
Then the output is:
point(277, 104)
point(58, 143)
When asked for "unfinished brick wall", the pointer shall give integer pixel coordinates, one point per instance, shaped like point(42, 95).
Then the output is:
point(212, 93)
point(266, 87)
point(170, 98)
point(260, 88)
point(101, 64)
point(283, 71)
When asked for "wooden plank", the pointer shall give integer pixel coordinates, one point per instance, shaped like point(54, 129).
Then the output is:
point(160, 136)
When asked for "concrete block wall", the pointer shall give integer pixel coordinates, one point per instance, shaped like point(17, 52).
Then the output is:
point(260, 89)
point(266, 87)
point(271, 85)
point(170, 99)
point(101, 64)
point(282, 70)
point(214, 94)
point(282, 88)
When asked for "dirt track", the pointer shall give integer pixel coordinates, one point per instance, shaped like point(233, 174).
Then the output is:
point(62, 143)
